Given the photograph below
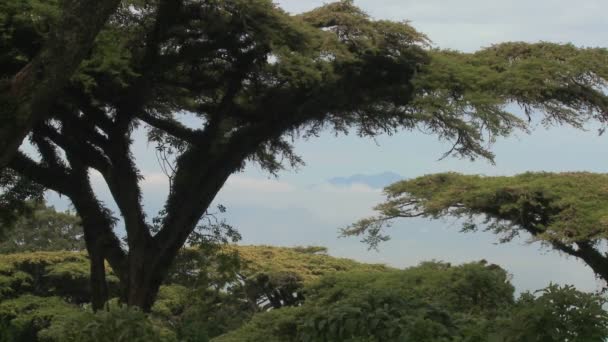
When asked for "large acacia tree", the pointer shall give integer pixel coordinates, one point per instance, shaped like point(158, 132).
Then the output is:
point(565, 211)
point(251, 78)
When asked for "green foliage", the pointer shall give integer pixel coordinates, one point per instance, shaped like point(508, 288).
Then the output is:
point(115, 325)
point(560, 208)
point(557, 314)
point(308, 267)
point(24, 25)
point(376, 316)
point(43, 229)
point(477, 288)
point(51, 319)
point(256, 77)
point(30, 318)
point(431, 302)
point(200, 313)
point(434, 301)
point(15, 192)
point(219, 290)
point(62, 274)
point(311, 249)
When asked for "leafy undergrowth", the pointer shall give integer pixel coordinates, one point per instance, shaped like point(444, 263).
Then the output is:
point(292, 294)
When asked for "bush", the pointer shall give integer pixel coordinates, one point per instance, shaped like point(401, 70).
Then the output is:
point(29, 318)
point(115, 325)
point(557, 314)
point(416, 304)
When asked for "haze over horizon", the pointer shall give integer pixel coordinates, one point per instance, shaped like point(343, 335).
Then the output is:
point(342, 178)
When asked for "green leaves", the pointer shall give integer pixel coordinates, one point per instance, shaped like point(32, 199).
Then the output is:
point(430, 302)
point(557, 314)
point(42, 228)
point(461, 96)
point(566, 207)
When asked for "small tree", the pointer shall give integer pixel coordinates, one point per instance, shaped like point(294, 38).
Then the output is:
point(43, 229)
point(256, 78)
point(566, 211)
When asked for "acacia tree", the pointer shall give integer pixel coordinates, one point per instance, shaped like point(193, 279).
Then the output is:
point(566, 211)
point(254, 78)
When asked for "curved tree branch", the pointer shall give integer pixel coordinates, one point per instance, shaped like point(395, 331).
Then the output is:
point(34, 89)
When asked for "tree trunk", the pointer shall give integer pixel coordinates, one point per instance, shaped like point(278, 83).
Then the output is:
point(99, 286)
point(142, 290)
point(144, 277)
point(593, 258)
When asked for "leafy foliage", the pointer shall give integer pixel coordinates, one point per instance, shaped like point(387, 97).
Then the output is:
point(32, 318)
point(434, 301)
point(62, 274)
point(256, 78)
point(558, 314)
point(43, 229)
point(117, 324)
point(416, 304)
point(309, 267)
point(567, 211)
point(15, 192)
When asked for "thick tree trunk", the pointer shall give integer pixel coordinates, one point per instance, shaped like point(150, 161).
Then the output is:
point(101, 243)
point(144, 277)
point(99, 286)
point(142, 288)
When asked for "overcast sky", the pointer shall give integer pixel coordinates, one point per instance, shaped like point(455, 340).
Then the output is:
point(302, 208)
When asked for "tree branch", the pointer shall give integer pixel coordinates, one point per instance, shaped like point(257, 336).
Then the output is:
point(172, 127)
point(34, 89)
point(82, 149)
point(50, 177)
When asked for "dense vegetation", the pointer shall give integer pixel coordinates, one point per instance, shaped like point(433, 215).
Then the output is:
point(252, 78)
point(250, 293)
point(221, 84)
point(44, 298)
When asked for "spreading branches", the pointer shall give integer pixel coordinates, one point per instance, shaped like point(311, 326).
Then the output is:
point(171, 127)
point(49, 177)
point(565, 211)
point(35, 87)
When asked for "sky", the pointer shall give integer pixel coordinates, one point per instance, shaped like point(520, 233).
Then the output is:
point(308, 205)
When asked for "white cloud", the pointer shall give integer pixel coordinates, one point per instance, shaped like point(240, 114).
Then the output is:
point(333, 204)
point(155, 179)
point(242, 183)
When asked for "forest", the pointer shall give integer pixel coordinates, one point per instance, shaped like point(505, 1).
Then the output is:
point(214, 87)
point(255, 293)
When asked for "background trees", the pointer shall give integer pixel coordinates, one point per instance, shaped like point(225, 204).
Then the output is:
point(225, 83)
point(566, 211)
point(307, 295)
point(43, 229)
point(430, 302)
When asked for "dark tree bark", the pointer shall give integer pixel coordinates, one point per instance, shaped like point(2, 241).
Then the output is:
point(27, 98)
point(101, 242)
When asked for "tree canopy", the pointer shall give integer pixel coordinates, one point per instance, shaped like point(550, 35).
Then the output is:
point(430, 302)
point(44, 296)
point(35, 63)
point(254, 78)
point(43, 229)
point(567, 211)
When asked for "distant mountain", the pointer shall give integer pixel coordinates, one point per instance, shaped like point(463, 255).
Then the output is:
point(376, 181)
